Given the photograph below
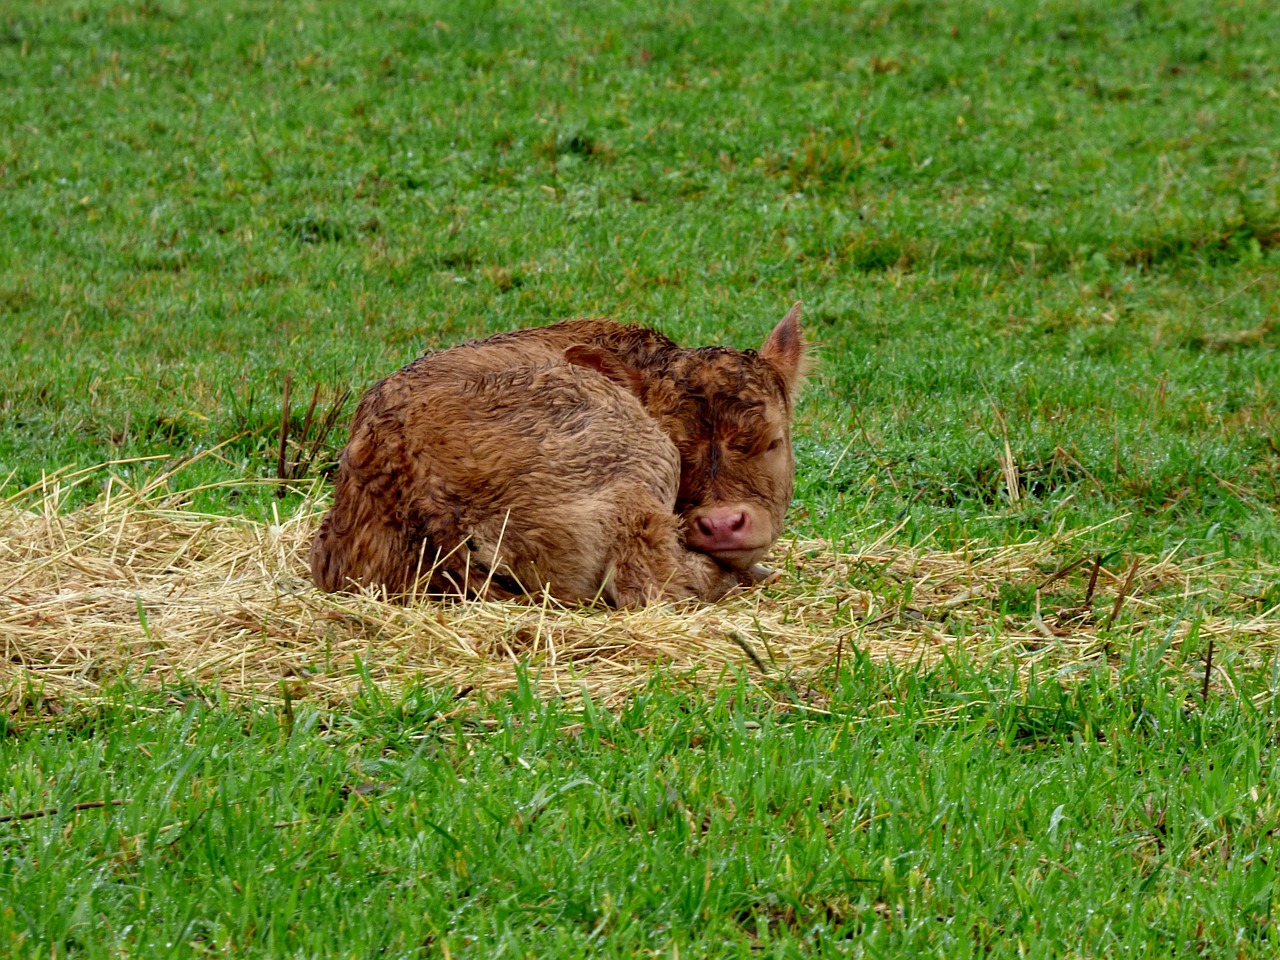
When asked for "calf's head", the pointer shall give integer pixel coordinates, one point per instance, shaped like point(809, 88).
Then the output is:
point(729, 414)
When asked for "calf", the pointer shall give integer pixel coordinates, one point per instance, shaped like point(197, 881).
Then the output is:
point(587, 458)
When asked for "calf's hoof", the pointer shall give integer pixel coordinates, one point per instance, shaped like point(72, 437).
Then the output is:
point(758, 573)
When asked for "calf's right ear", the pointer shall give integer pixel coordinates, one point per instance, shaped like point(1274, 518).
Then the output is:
point(784, 348)
point(607, 363)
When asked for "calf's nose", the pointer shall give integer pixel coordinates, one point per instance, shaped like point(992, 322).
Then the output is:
point(726, 529)
point(723, 526)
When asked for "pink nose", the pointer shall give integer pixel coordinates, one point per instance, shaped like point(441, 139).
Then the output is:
point(721, 530)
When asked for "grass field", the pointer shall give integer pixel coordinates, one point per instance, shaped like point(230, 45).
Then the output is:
point(1038, 248)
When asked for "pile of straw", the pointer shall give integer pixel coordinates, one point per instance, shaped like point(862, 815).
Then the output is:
point(139, 585)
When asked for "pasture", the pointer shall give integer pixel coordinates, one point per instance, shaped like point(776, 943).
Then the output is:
point(1014, 692)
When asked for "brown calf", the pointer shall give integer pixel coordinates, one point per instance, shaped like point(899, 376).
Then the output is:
point(587, 458)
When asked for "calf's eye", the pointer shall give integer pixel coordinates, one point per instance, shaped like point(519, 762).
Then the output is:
point(777, 442)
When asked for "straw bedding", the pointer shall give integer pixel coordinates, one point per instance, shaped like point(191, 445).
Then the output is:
point(138, 585)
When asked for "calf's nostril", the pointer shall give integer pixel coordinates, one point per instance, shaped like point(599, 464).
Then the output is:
point(705, 527)
point(738, 522)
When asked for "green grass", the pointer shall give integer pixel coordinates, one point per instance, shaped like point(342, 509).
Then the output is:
point(1050, 224)
point(949, 813)
point(1062, 205)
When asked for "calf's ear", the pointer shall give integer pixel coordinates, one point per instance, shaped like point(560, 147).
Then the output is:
point(607, 363)
point(784, 348)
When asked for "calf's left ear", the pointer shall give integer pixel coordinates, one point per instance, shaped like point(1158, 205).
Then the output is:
point(784, 348)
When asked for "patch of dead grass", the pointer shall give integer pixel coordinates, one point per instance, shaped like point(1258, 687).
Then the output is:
point(139, 585)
